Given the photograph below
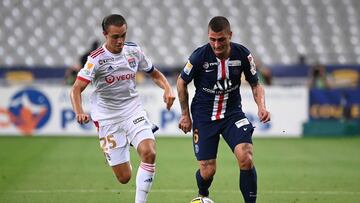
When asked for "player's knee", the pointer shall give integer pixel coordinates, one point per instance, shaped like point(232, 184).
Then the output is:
point(208, 172)
point(148, 155)
point(246, 161)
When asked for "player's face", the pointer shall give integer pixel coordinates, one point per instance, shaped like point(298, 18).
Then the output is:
point(220, 43)
point(115, 38)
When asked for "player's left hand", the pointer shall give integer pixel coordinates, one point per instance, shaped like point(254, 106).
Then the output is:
point(264, 115)
point(169, 99)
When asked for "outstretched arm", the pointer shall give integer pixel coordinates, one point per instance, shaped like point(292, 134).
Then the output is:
point(185, 123)
point(162, 82)
point(259, 97)
point(75, 96)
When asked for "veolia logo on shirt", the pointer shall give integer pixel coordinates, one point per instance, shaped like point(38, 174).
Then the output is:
point(111, 78)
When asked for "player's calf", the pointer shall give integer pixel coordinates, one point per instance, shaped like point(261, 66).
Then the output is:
point(207, 168)
point(144, 180)
point(122, 172)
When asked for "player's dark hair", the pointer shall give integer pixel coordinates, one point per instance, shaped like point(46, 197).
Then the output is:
point(219, 23)
point(113, 19)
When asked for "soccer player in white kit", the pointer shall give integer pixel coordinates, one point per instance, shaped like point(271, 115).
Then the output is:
point(116, 107)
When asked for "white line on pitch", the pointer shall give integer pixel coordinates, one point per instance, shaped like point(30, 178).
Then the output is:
point(187, 191)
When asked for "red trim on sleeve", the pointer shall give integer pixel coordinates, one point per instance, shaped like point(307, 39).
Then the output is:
point(82, 79)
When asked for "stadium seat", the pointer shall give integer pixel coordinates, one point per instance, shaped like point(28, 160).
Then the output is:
point(55, 33)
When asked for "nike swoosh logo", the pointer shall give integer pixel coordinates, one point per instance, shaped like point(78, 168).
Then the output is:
point(211, 70)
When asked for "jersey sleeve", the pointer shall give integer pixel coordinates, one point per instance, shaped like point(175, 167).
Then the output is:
point(87, 73)
point(144, 62)
point(187, 74)
point(250, 68)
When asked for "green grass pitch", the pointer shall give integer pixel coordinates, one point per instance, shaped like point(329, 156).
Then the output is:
point(72, 169)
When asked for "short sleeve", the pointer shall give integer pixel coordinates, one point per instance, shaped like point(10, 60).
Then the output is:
point(144, 62)
point(188, 72)
point(250, 69)
point(87, 73)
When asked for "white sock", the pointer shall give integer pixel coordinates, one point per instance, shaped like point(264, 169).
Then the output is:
point(144, 179)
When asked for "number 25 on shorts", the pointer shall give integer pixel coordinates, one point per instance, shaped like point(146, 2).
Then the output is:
point(107, 142)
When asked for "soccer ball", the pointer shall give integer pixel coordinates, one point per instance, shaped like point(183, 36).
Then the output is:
point(202, 200)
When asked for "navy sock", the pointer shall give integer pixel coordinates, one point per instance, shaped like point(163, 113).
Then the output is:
point(203, 185)
point(248, 185)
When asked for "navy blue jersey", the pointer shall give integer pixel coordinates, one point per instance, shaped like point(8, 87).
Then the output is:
point(217, 82)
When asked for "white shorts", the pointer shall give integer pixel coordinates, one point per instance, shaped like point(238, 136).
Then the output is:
point(115, 139)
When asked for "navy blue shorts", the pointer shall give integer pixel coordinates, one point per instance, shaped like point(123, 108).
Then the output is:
point(235, 129)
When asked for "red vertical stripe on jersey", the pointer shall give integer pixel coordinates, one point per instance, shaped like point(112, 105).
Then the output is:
point(223, 70)
point(221, 97)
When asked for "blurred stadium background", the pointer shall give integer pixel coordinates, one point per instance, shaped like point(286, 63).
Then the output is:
point(53, 33)
point(308, 57)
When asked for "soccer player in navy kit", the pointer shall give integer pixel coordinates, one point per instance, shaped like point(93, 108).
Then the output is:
point(216, 109)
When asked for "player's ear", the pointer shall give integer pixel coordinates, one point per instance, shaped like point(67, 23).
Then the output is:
point(105, 33)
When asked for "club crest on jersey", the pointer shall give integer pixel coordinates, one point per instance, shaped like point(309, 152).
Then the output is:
point(206, 65)
point(132, 62)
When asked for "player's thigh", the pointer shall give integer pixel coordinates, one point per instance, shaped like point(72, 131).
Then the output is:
point(237, 130)
point(206, 139)
point(144, 142)
point(138, 128)
point(114, 144)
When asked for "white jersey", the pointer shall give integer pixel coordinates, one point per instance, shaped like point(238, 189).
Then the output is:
point(115, 97)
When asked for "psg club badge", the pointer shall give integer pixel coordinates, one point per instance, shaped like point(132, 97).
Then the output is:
point(206, 65)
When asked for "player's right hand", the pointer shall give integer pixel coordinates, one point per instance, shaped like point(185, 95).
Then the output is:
point(168, 98)
point(82, 118)
point(185, 123)
point(264, 115)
